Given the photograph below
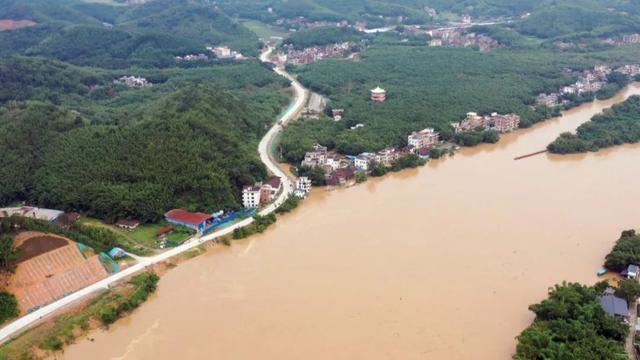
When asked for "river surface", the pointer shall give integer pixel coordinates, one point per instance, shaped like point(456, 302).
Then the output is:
point(439, 262)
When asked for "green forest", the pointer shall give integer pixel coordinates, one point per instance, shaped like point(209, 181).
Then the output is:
point(571, 324)
point(147, 35)
point(615, 126)
point(75, 140)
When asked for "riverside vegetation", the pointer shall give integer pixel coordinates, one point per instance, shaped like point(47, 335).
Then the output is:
point(104, 310)
point(615, 126)
point(571, 323)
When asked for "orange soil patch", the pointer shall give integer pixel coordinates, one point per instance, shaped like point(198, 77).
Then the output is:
point(39, 245)
point(47, 276)
point(8, 24)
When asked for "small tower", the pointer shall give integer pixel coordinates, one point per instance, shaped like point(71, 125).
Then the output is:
point(378, 94)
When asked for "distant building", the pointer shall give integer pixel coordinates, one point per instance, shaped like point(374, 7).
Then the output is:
point(503, 123)
point(337, 114)
point(32, 212)
point(362, 161)
point(466, 19)
point(435, 42)
point(128, 224)
point(378, 95)
point(340, 177)
point(251, 196)
point(424, 138)
point(317, 157)
point(133, 81)
point(495, 121)
point(387, 156)
point(194, 220)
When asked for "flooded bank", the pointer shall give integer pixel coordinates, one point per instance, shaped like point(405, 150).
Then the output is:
point(439, 262)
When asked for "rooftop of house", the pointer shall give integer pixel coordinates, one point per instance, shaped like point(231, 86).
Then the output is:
point(614, 305)
point(633, 268)
point(274, 182)
point(127, 222)
point(378, 90)
point(187, 217)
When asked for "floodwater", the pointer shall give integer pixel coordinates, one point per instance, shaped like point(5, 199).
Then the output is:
point(439, 262)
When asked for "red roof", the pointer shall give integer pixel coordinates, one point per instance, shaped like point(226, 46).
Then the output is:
point(187, 216)
point(274, 182)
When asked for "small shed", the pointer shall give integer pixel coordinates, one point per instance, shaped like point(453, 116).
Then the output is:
point(164, 231)
point(127, 224)
point(633, 271)
point(117, 253)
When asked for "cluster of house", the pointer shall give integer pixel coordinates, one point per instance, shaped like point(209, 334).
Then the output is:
point(616, 306)
point(494, 121)
point(302, 22)
point(590, 80)
point(458, 37)
point(259, 194)
point(340, 170)
point(132, 81)
point(292, 56)
point(192, 57)
point(225, 52)
point(624, 40)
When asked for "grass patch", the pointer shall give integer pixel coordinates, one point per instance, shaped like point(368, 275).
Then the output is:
point(265, 31)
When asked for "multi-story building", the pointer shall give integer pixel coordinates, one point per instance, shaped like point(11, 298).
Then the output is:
point(386, 156)
point(317, 157)
point(424, 138)
point(362, 161)
point(251, 196)
point(504, 123)
point(303, 183)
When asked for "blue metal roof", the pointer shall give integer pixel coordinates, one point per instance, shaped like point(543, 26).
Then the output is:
point(614, 305)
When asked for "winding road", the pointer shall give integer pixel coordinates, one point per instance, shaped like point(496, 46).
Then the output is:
point(300, 94)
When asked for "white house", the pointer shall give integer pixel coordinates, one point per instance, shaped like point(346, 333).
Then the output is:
point(361, 162)
point(304, 184)
point(633, 271)
point(251, 196)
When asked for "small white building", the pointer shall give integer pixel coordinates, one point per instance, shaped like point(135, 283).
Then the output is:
point(303, 183)
point(32, 212)
point(633, 271)
point(251, 196)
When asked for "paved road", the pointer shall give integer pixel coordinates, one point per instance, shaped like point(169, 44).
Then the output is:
point(300, 94)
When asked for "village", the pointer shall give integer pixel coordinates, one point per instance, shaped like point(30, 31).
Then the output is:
point(291, 56)
point(589, 81)
point(343, 170)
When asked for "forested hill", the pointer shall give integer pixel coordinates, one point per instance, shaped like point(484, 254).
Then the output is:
point(148, 35)
point(74, 138)
point(193, 149)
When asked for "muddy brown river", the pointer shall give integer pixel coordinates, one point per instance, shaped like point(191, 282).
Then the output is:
point(439, 262)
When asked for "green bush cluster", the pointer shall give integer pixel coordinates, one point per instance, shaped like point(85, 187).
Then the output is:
point(615, 126)
point(259, 225)
point(145, 284)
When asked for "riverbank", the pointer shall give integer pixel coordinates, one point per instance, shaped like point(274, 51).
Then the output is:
point(285, 278)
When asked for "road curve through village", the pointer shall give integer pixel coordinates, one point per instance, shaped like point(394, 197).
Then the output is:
point(299, 98)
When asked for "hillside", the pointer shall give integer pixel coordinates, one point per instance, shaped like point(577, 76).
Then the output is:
point(147, 35)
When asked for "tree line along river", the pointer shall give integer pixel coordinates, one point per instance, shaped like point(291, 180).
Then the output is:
point(439, 262)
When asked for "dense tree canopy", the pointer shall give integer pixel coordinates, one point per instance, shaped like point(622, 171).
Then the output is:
point(571, 324)
point(615, 126)
point(625, 252)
